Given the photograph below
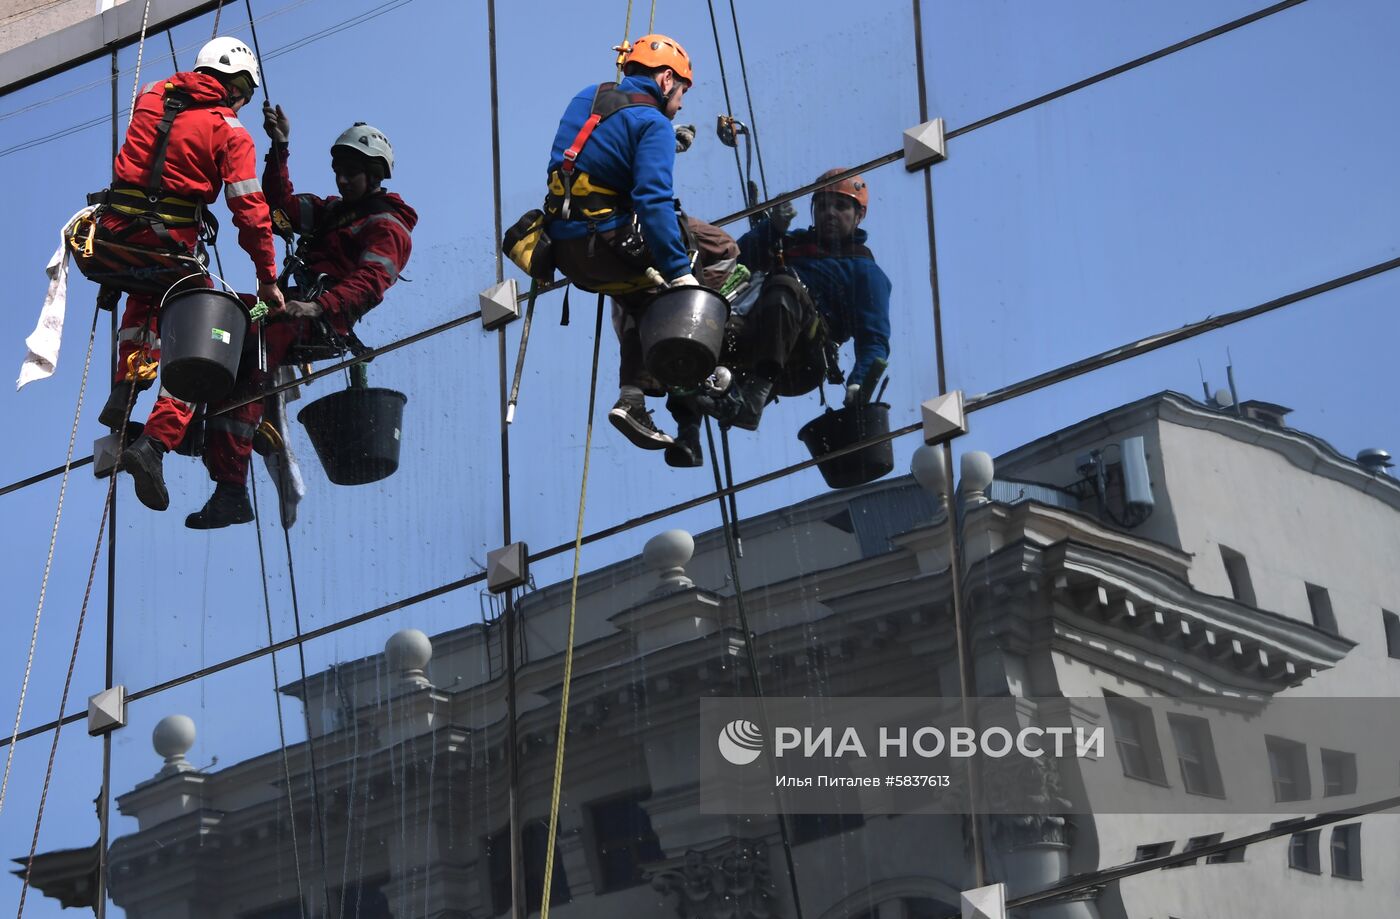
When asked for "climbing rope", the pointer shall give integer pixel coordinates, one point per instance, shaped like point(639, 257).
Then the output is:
point(320, 825)
point(252, 27)
point(748, 98)
point(48, 565)
point(214, 32)
point(724, 84)
point(140, 52)
point(276, 695)
point(569, 646)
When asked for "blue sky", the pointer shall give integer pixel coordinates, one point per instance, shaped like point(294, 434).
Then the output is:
point(1234, 172)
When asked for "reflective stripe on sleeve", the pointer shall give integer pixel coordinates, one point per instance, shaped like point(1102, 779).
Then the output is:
point(234, 122)
point(383, 260)
point(239, 189)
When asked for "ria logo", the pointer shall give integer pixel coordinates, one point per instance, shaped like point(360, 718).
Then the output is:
point(740, 742)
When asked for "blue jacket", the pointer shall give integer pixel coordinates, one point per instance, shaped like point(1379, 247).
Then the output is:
point(851, 291)
point(634, 152)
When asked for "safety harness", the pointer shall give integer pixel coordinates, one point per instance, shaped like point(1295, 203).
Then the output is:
point(820, 356)
point(337, 216)
point(573, 194)
point(325, 343)
point(109, 258)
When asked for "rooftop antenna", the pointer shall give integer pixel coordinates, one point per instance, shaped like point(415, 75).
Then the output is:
point(1230, 374)
point(1205, 387)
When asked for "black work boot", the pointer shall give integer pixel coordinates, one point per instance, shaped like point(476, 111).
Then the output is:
point(685, 452)
point(630, 416)
point(143, 460)
point(228, 505)
point(744, 402)
point(116, 408)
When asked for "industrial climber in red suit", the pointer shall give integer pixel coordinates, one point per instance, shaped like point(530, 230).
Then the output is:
point(158, 200)
point(351, 251)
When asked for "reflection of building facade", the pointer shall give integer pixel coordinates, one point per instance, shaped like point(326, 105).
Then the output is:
point(1264, 570)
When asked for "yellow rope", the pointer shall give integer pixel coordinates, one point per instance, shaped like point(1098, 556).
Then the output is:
point(569, 647)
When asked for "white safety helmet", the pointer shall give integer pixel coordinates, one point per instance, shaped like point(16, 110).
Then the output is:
point(367, 140)
point(229, 56)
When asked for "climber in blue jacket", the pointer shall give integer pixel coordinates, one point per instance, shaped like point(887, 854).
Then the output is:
point(822, 289)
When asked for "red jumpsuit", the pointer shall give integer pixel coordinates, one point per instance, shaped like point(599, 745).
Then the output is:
point(208, 149)
point(361, 247)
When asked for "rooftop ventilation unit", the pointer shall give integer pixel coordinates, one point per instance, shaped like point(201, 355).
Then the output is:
point(1375, 460)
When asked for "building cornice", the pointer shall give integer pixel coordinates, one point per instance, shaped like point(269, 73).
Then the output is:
point(1307, 452)
point(1144, 624)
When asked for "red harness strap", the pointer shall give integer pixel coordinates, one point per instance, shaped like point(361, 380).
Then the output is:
point(571, 154)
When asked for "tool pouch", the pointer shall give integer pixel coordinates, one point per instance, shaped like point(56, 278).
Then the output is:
point(130, 268)
point(528, 246)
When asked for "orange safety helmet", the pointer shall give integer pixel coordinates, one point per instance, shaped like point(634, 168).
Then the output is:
point(658, 51)
point(853, 187)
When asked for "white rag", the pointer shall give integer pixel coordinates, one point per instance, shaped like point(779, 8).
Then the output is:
point(43, 343)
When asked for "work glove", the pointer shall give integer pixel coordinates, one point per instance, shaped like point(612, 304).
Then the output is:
point(275, 122)
point(303, 309)
point(852, 393)
point(685, 136)
point(271, 294)
point(685, 280)
point(782, 216)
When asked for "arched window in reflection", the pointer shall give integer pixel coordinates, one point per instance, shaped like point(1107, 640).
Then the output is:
point(624, 842)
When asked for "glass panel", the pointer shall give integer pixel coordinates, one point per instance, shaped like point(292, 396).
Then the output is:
point(1095, 548)
point(656, 633)
point(354, 547)
point(65, 863)
point(985, 58)
point(23, 565)
point(848, 594)
point(799, 143)
point(1095, 220)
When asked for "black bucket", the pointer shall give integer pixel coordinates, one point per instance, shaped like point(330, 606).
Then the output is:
point(838, 428)
point(682, 332)
point(356, 433)
point(201, 341)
